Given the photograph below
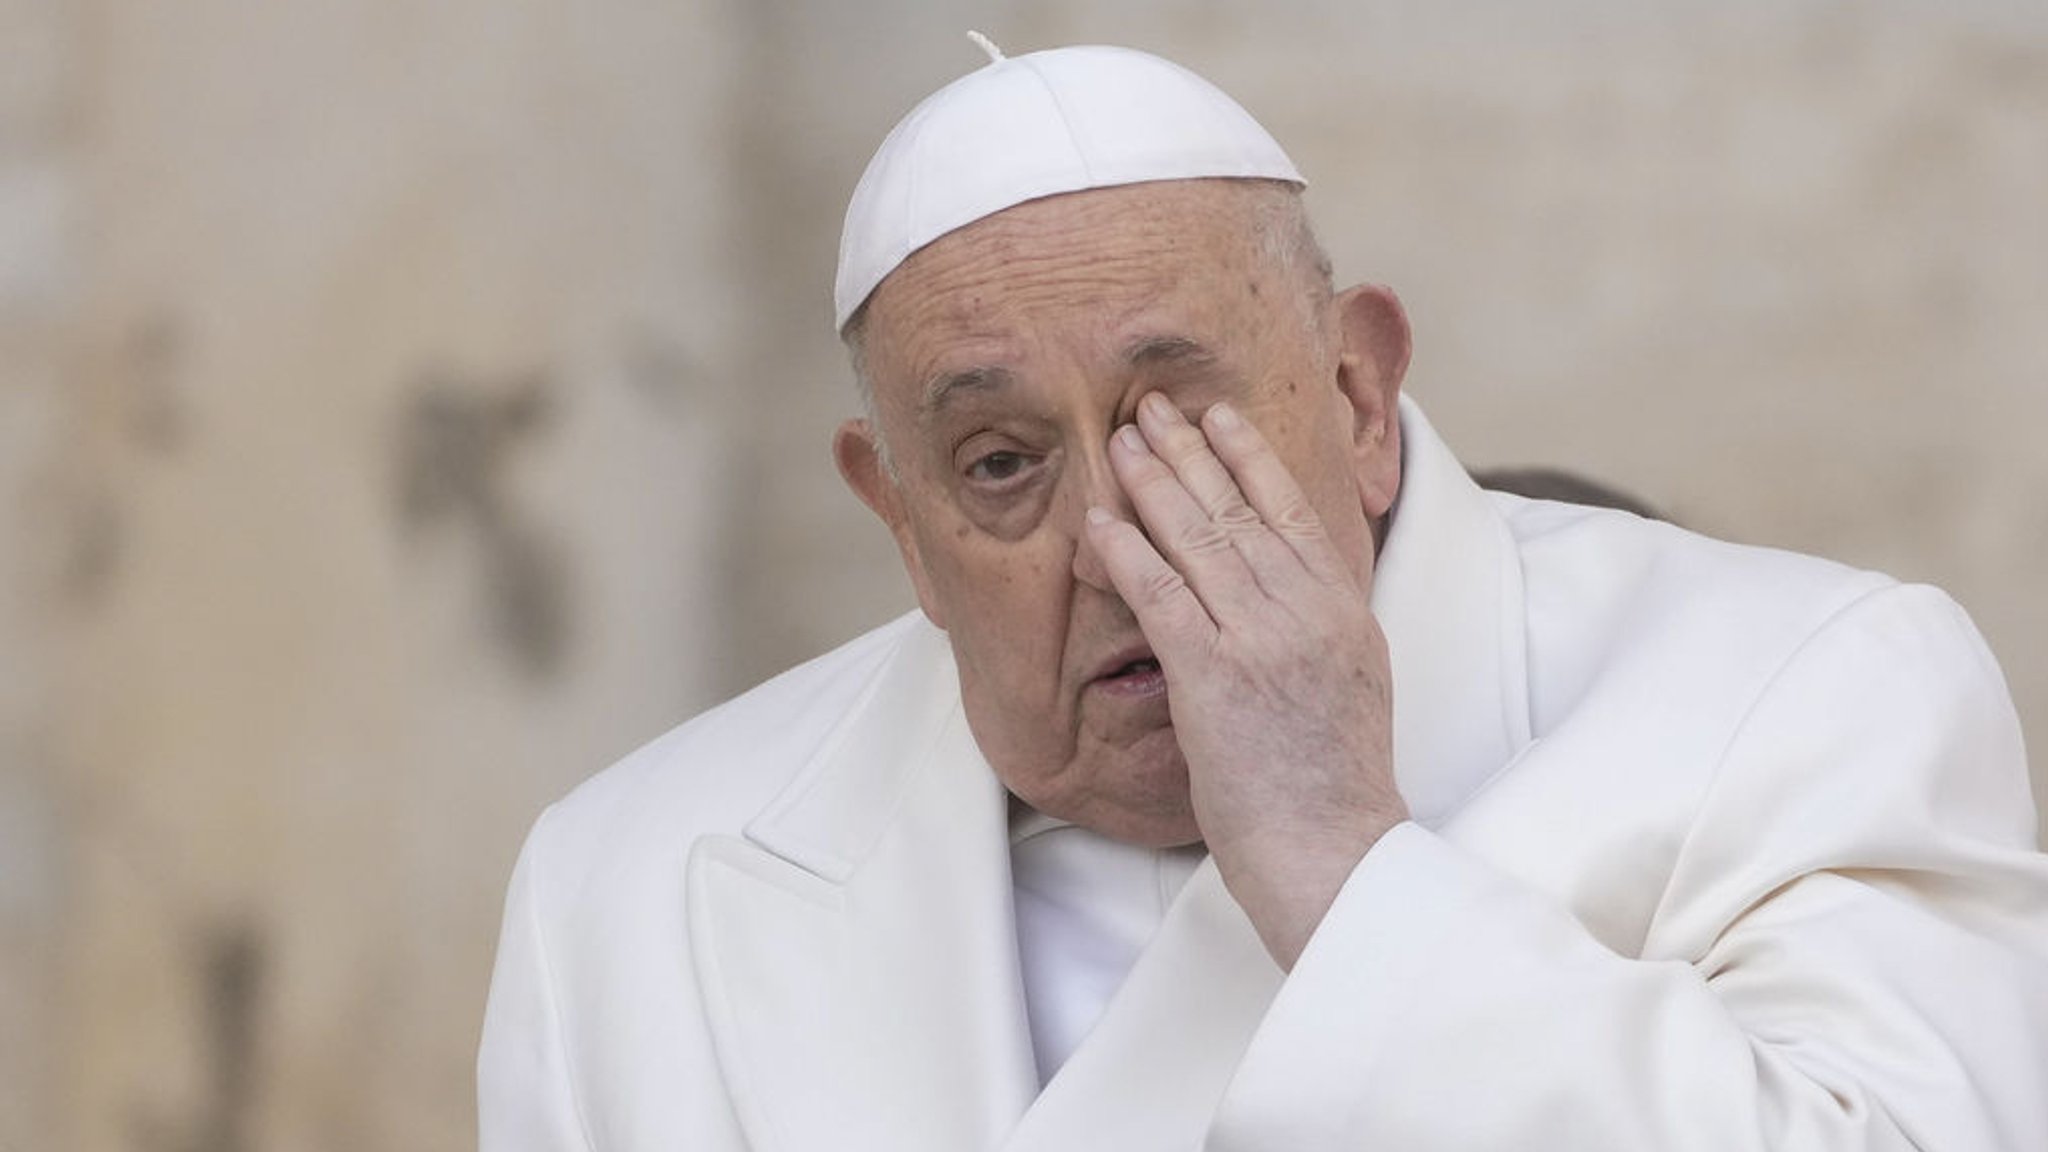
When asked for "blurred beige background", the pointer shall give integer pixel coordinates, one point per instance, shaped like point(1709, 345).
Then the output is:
point(405, 409)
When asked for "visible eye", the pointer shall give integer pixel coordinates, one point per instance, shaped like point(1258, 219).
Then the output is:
point(1002, 480)
point(996, 467)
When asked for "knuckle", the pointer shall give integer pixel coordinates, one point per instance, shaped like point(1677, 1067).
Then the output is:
point(1296, 518)
point(1201, 539)
point(1236, 515)
point(1162, 585)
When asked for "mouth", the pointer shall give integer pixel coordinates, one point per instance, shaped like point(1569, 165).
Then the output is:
point(1132, 674)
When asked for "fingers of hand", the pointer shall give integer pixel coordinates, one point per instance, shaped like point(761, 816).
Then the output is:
point(1201, 549)
point(1168, 611)
point(1271, 490)
point(1186, 451)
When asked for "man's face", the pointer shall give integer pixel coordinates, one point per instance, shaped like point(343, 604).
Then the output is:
point(1002, 357)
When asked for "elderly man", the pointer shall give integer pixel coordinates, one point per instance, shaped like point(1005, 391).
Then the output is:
point(1249, 778)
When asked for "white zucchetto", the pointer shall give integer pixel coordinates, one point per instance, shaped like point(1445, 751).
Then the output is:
point(1036, 125)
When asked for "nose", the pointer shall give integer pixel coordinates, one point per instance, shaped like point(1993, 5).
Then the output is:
point(1092, 484)
point(1088, 567)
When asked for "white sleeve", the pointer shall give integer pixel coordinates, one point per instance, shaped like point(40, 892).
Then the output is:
point(525, 1098)
point(1851, 951)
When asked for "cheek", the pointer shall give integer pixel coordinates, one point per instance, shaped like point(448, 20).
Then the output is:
point(1009, 631)
point(1005, 606)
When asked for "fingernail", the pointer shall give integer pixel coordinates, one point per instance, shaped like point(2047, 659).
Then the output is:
point(1099, 516)
point(1224, 415)
point(1161, 410)
point(1131, 438)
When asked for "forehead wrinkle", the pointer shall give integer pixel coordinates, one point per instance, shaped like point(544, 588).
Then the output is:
point(1014, 262)
point(1014, 288)
point(1114, 253)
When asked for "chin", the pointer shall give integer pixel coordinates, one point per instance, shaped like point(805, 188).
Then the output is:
point(1138, 795)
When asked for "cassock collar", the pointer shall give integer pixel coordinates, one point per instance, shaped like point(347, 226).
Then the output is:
point(1447, 591)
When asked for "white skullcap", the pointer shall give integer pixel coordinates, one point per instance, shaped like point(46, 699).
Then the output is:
point(1037, 125)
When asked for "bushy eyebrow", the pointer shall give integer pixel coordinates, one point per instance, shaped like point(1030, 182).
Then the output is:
point(940, 390)
point(1169, 351)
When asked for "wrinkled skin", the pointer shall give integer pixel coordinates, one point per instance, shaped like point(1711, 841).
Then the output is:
point(1119, 427)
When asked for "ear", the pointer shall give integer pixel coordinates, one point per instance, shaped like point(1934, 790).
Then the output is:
point(1373, 328)
point(858, 452)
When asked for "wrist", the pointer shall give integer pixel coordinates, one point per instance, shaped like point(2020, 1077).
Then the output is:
point(1287, 879)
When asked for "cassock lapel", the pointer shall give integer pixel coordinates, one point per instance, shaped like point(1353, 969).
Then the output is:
point(1150, 1073)
point(1447, 591)
point(857, 951)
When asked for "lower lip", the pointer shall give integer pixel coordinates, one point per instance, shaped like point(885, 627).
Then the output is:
point(1150, 682)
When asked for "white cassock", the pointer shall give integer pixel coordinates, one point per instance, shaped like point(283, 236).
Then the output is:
point(1087, 906)
point(1713, 848)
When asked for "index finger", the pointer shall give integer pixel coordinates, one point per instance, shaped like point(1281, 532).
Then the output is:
point(1169, 613)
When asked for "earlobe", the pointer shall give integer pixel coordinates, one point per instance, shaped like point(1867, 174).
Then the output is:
point(1374, 359)
point(857, 449)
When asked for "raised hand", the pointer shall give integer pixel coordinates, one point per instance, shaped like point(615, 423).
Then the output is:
point(1276, 671)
